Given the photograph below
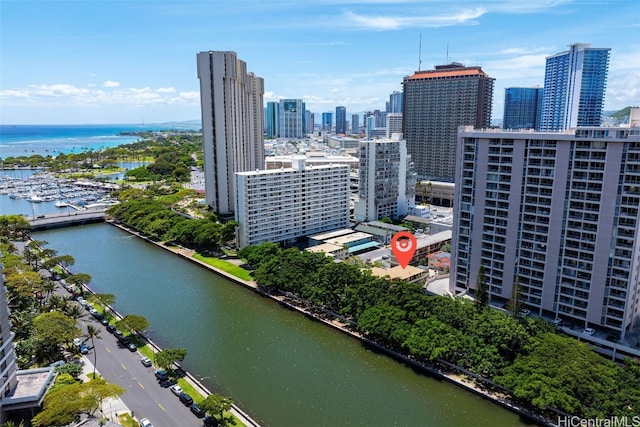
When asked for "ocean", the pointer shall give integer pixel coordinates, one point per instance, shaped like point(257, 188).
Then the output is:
point(28, 140)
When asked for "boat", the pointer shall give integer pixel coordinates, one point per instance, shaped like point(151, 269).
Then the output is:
point(61, 204)
point(34, 198)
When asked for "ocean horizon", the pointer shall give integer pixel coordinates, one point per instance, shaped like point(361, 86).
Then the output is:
point(45, 140)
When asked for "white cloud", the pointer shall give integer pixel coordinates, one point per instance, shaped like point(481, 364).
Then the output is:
point(396, 22)
point(111, 83)
point(69, 95)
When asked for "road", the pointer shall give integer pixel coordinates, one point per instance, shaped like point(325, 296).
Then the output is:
point(143, 396)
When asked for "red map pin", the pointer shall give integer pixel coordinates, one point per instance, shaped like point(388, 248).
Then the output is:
point(404, 245)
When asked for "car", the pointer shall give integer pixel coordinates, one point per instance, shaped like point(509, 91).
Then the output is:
point(77, 342)
point(210, 421)
point(123, 340)
point(104, 321)
point(132, 347)
point(145, 423)
point(588, 331)
point(146, 361)
point(111, 328)
point(92, 310)
point(613, 338)
point(186, 399)
point(557, 322)
point(196, 410)
point(525, 312)
point(161, 375)
point(118, 333)
point(176, 389)
point(84, 349)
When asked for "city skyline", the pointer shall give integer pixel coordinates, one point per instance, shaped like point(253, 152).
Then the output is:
point(132, 62)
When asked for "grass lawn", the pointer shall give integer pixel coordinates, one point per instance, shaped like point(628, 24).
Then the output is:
point(197, 398)
point(225, 266)
point(126, 420)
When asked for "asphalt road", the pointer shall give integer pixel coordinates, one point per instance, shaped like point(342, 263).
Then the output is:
point(144, 396)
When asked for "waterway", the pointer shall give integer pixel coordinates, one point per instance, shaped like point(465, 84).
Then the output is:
point(279, 366)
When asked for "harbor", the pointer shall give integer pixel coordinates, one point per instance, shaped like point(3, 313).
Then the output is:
point(45, 188)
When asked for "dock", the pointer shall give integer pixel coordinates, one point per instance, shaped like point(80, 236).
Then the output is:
point(66, 219)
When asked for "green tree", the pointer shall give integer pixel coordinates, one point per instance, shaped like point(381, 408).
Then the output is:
point(216, 404)
point(516, 302)
point(53, 329)
point(132, 323)
point(482, 290)
point(166, 358)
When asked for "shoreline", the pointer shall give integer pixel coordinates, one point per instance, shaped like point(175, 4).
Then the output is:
point(288, 302)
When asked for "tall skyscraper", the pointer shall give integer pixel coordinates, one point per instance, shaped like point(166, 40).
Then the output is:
point(309, 122)
point(271, 120)
point(394, 124)
point(560, 213)
point(291, 118)
point(9, 366)
point(395, 102)
point(232, 124)
point(436, 102)
point(355, 123)
point(522, 108)
point(574, 87)
point(387, 183)
point(327, 121)
point(341, 120)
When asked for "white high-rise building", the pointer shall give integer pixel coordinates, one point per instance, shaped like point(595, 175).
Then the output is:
point(232, 124)
point(284, 204)
point(558, 211)
point(387, 182)
point(394, 123)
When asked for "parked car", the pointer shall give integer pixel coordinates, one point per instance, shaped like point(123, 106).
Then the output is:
point(196, 410)
point(589, 331)
point(111, 328)
point(176, 389)
point(525, 312)
point(145, 423)
point(84, 349)
point(557, 322)
point(146, 361)
point(210, 421)
point(186, 399)
point(77, 342)
point(161, 375)
point(118, 333)
point(132, 347)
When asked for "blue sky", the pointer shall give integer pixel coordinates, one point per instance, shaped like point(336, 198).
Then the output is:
point(128, 61)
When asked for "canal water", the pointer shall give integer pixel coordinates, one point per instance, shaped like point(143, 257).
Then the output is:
point(279, 366)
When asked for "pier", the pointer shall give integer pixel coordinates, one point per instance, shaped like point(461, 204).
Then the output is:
point(66, 219)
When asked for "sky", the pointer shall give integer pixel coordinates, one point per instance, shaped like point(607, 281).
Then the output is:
point(134, 61)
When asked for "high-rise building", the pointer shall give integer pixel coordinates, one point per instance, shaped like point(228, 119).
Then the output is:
point(395, 102)
point(291, 114)
point(271, 120)
point(559, 213)
point(522, 108)
point(285, 204)
point(387, 182)
point(309, 121)
point(355, 123)
point(327, 121)
point(341, 120)
point(9, 366)
point(232, 124)
point(394, 124)
point(436, 102)
point(574, 87)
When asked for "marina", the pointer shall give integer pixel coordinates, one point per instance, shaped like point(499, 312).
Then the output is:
point(67, 193)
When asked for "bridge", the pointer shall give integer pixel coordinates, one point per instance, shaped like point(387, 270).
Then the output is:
point(66, 219)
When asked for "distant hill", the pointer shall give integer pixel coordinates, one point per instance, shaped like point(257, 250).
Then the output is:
point(621, 114)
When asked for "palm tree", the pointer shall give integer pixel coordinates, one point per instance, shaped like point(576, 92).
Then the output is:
point(93, 332)
point(74, 311)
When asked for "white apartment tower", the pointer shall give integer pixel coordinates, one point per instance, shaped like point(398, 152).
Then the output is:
point(232, 124)
point(559, 211)
point(394, 123)
point(387, 182)
point(284, 204)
